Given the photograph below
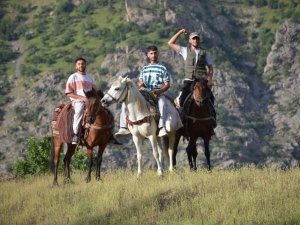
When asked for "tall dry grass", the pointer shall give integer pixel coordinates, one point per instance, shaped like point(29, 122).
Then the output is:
point(244, 196)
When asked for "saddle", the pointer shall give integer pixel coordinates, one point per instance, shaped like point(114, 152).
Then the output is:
point(186, 110)
point(152, 103)
point(62, 122)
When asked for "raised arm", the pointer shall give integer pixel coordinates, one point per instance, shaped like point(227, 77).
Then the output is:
point(173, 39)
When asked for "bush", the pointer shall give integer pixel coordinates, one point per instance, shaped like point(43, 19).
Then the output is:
point(64, 6)
point(102, 85)
point(29, 71)
point(86, 7)
point(103, 71)
point(7, 29)
point(37, 159)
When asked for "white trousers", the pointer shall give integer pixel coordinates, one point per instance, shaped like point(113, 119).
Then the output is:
point(79, 110)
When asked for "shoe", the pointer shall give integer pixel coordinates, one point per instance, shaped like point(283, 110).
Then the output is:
point(122, 132)
point(162, 132)
point(75, 140)
point(114, 141)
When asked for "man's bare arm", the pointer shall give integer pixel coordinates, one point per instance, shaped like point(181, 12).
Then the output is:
point(173, 39)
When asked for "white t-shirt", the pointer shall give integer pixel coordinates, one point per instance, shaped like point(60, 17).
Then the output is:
point(183, 53)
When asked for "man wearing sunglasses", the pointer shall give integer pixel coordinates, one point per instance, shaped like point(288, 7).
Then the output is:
point(197, 64)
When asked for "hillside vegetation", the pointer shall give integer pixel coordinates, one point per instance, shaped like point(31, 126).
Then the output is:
point(39, 41)
point(246, 196)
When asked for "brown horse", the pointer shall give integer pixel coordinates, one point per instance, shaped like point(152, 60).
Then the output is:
point(198, 122)
point(99, 124)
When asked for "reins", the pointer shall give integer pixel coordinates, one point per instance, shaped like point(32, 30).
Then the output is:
point(95, 125)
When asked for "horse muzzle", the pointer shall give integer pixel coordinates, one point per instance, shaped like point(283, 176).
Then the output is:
point(104, 102)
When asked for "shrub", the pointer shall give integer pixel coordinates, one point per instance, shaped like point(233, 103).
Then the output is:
point(29, 71)
point(64, 6)
point(7, 29)
point(37, 159)
point(86, 7)
point(102, 85)
point(103, 71)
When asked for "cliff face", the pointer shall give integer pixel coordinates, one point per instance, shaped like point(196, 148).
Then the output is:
point(282, 72)
point(258, 115)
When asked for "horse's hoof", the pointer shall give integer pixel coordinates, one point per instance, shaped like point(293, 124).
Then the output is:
point(98, 179)
point(67, 181)
point(87, 179)
point(159, 172)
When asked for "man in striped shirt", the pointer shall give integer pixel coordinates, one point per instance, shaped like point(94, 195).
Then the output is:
point(155, 78)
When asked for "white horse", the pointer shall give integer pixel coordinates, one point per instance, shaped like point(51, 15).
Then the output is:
point(143, 124)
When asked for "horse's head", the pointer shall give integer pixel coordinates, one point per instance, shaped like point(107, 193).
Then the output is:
point(117, 92)
point(92, 106)
point(200, 92)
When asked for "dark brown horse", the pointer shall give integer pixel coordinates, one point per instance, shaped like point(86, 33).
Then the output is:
point(99, 124)
point(198, 122)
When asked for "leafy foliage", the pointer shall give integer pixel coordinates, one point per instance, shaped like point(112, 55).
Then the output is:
point(37, 159)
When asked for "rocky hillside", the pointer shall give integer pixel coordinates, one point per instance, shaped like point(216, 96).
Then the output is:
point(255, 86)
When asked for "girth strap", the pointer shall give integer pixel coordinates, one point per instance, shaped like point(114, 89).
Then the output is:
point(200, 119)
point(138, 122)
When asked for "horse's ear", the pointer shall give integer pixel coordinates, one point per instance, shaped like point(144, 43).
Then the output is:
point(123, 79)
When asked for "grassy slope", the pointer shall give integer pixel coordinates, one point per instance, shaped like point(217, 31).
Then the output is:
point(247, 196)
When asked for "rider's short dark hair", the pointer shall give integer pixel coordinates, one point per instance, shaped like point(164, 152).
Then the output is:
point(80, 59)
point(152, 48)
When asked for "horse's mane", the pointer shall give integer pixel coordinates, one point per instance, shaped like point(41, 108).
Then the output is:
point(141, 102)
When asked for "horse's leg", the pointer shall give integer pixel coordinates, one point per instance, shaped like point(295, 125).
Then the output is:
point(191, 151)
point(156, 153)
point(99, 161)
point(176, 143)
point(138, 145)
point(171, 149)
point(90, 163)
point(55, 151)
point(67, 161)
point(162, 149)
point(207, 152)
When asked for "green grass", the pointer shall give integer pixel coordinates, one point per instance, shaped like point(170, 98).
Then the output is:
point(245, 196)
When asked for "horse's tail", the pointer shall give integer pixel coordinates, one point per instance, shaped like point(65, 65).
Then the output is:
point(52, 154)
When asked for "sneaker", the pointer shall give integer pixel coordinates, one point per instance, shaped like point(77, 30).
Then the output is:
point(162, 132)
point(122, 132)
point(75, 140)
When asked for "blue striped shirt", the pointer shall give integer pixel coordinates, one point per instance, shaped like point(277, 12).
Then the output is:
point(154, 76)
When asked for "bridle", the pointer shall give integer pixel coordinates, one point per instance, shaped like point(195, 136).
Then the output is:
point(121, 99)
point(117, 100)
point(199, 101)
point(90, 120)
